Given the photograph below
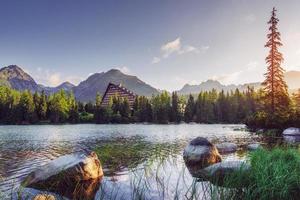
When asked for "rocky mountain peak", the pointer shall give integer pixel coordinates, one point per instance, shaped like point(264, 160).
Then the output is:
point(14, 72)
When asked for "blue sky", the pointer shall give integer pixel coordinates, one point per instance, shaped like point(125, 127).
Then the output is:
point(165, 43)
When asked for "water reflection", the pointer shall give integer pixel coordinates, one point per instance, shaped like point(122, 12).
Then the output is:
point(125, 152)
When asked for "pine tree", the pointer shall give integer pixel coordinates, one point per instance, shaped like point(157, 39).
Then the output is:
point(175, 110)
point(27, 108)
point(98, 110)
point(73, 109)
point(274, 85)
point(125, 110)
point(189, 111)
point(42, 112)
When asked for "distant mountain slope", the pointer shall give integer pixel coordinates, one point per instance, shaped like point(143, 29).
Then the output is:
point(292, 78)
point(16, 78)
point(98, 82)
point(212, 84)
point(13, 76)
point(66, 86)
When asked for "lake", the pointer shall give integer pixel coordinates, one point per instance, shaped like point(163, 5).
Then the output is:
point(153, 162)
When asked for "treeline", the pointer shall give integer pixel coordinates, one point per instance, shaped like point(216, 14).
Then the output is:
point(27, 108)
point(285, 114)
point(207, 107)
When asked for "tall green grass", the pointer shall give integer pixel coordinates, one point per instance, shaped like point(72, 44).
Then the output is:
point(275, 174)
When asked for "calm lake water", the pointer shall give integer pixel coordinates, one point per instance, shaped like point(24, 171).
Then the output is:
point(154, 163)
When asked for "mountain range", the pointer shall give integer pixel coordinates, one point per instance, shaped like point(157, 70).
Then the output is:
point(213, 84)
point(86, 90)
point(16, 78)
point(292, 79)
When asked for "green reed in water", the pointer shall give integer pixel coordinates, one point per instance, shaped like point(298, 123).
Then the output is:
point(129, 153)
point(274, 174)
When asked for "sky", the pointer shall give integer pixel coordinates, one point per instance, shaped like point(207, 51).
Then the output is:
point(165, 43)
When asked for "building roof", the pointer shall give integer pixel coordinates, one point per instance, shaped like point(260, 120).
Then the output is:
point(117, 90)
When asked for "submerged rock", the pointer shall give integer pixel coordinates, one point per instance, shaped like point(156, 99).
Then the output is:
point(254, 146)
point(226, 147)
point(291, 135)
point(75, 176)
point(292, 131)
point(200, 153)
point(233, 174)
point(44, 197)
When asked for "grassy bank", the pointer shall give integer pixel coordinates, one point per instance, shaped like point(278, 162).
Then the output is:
point(275, 174)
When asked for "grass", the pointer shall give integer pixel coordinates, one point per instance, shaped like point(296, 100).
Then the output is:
point(275, 174)
point(129, 153)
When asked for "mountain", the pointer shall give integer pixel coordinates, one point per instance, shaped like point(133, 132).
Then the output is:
point(66, 86)
point(98, 82)
point(213, 84)
point(16, 78)
point(292, 79)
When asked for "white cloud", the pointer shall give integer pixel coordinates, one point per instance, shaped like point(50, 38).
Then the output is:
point(176, 47)
point(252, 65)
point(54, 79)
point(203, 49)
point(182, 81)
point(250, 18)
point(73, 79)
point(171, 47)
point(124, 69)
point(50, 78)
point(188, 49)
point(251, 73)
point(155, 60)
point(227, 78)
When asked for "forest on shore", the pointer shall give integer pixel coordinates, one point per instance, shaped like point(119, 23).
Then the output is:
point(207, 107)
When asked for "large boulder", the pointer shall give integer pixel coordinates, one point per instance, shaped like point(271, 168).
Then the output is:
point(227, 147)
point(75, 176)
point(200, 153)
point(232, 174)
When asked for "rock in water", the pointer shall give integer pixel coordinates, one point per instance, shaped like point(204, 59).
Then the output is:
point(291, 135)
point(232, 174)
point(291, 132)
point(200, 153)
point(226, 147)
point(254, 146)
point(44, 197)
point(75, 176)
